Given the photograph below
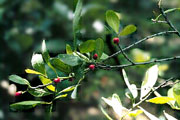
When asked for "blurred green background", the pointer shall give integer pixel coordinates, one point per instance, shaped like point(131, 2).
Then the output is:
point(25, 23)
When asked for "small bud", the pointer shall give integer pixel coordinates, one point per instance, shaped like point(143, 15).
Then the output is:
point(91, 67)
point(116, 40)
point(95, 56)
point(18, 93)
point(57, 80)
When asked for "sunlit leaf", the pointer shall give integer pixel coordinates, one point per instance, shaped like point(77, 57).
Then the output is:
point(149, 81)
point(29, 71)
point(149, 115)
point(19, 80)
point(38, 63)
point(135, 113)
point(87, 46)
point(47, 81)
point(45, 53)
point(140, 55)
point(68, 49)
point(128, 30)
point(169, 117)
point(160, 100)
point(113, 20)
point(132, 88)
point(61, 96)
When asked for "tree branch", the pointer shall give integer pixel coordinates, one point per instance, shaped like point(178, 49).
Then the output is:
point(140, 41)
point(136, 64)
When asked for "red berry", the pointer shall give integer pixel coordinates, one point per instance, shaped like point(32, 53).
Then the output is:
point(18, 93)
point(57, 80)
point(95, 56)
point(91, 67)
point(116, 40)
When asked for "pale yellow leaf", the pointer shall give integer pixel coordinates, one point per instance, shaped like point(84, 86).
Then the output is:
point(160, 100)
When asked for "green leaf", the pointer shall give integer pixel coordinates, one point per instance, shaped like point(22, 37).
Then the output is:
point(61, 66)
point(104, 56)
point(77, 16)
point(149, 81)
point(176, 93)
point(19, 80)
point(68, 49)
point(128, 30)
point(70, 59)
point(38, 63)
point(113, 20)
point(99, 47)
point(105, 113)
point(25, 105)
point(45, 52)
point(47, 81)
point(160, 100)
point(87, 46)
point(39, 92)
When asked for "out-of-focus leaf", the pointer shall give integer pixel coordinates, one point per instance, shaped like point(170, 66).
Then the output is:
point(19, 80)
point(169, 117)
point(176, 92)
point(87, 46)
point(38, 63)
point(149, 81)
point(61, 66)
point(104, 56)
point(39, 92)
point(132, 88)
point(70, 59)
point(160, 100)
point(99, 47)
point(140, 55)
point(25, 105)
point(47, 81)
point(149, 115)
point(68, 49)
point(113, 20)
point(128, 30)
point(77, 16)
point(172, 103)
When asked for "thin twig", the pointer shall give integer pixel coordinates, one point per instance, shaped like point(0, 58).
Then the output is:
point(41, 86)
point(140, 63)
point(124, 54)
point(168, 21)
point(140, 41)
